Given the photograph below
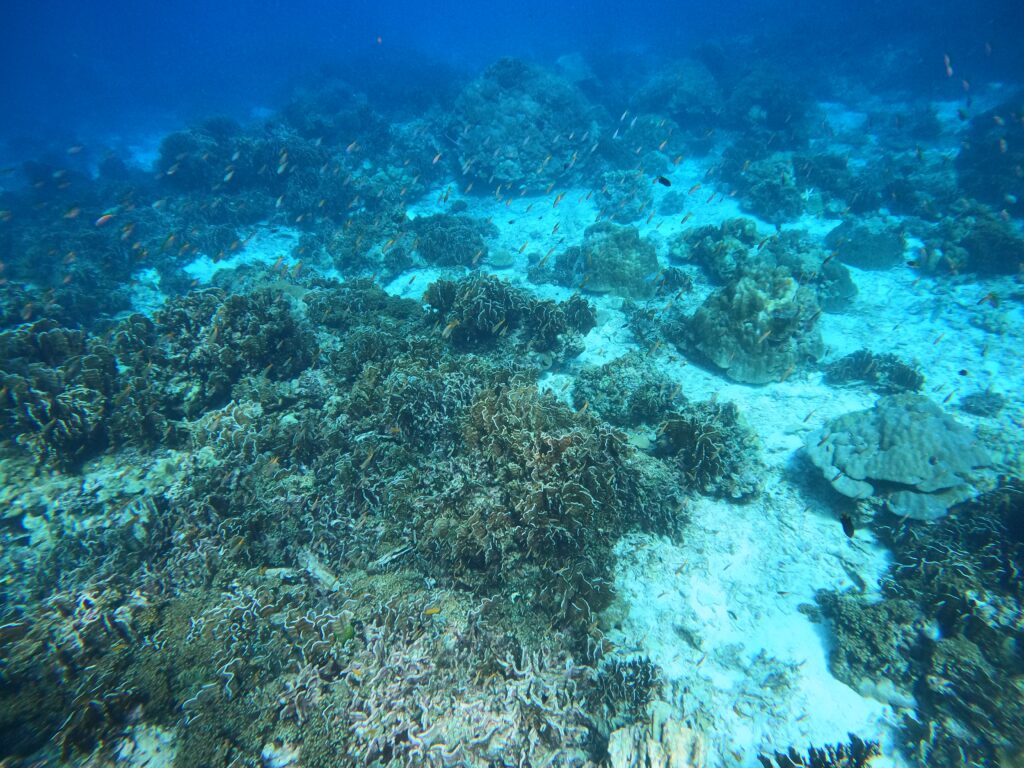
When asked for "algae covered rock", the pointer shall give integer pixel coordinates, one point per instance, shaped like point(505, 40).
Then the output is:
point(905, 450)
point(758, 328)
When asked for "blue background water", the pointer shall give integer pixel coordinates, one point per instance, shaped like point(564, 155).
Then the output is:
point(75, 70)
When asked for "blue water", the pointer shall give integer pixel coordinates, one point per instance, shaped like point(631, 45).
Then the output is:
point(479, 384)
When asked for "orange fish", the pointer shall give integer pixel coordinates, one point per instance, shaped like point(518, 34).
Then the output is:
point(104, 219)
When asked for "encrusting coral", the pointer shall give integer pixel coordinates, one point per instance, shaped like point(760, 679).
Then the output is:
point(905, 450)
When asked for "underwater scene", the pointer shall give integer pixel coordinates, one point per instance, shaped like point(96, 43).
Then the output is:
point(584, 385)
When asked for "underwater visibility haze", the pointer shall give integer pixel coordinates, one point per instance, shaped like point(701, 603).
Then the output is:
point(531, 384)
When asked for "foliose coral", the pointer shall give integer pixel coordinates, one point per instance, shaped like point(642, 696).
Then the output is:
point(483, 310)
point(714, 449)
point(627, 391)
point(56, 390)
point(857, 754)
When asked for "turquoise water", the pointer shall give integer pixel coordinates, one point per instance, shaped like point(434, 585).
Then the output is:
point(554, 386)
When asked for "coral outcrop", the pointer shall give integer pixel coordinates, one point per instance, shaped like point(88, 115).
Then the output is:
point(905, 451)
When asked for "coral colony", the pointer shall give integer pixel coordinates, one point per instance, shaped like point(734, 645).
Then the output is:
point(545, 427)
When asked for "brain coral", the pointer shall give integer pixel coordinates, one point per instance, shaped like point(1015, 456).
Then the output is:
point(905, 450)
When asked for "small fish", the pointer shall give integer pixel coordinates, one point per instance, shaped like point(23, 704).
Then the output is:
point(436, 159)
point(949, 397)
point(663, 181)
point(583, 409)
point(948, 64)
point(72, 213)
point(432, 610)
point(848, 527)
point(368, 459)
point(693, 189)
point(764, 336)
point(989, 298)
point(104, 219)
point(824, 437)
point(447, 332)
point(963, 372)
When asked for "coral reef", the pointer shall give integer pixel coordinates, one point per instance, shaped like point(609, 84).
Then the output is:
point(612, 259)
point(870, 243)
point(857, 754)
point(55, 390)
point(975, 240)
point(625, 196)
point(905, 450)
point(723, 250)
point(885, 373)
point(767, 186)
point(714, 449)
point(505, 123)
point(449, 241)
point(661, 742)
point(989, 162)
point(483, 310)
point(686, 91)
point(759, 328)
point(944, 631)
point(626, 392)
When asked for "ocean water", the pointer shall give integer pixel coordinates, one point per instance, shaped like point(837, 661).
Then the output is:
point(539, 385)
